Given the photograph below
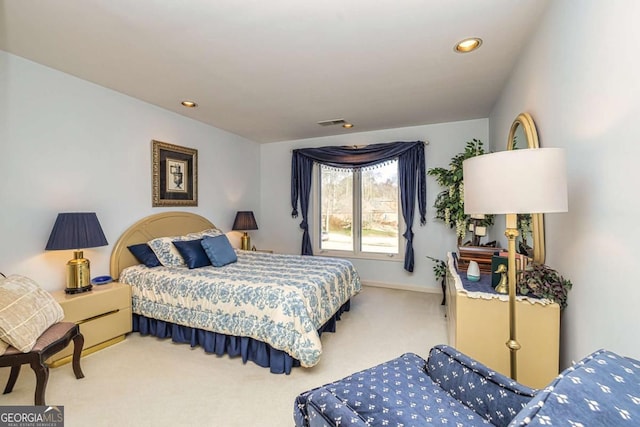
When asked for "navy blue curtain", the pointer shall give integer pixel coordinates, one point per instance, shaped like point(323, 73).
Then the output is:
point(301, 168)
point(411, 165)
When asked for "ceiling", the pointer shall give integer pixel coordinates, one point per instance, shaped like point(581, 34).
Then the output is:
point(269, 70)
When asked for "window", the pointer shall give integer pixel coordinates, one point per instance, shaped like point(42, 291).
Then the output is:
point(357, 212)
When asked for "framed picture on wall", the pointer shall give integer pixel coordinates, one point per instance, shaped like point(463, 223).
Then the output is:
point(174, 175)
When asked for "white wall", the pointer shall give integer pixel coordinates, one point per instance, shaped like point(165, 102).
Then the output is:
point(281, 232)
point(68, 145)
point(579, 80)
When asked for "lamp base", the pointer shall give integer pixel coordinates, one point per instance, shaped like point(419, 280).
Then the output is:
point(78, 274)
point(245, 242)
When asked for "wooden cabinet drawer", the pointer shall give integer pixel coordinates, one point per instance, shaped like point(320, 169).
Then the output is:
point(100, 330)
point(104, 316)
point(102, 300)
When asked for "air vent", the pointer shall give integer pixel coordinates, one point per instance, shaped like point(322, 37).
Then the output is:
point(333, 122)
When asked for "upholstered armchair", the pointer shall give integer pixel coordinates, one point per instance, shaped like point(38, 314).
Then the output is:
point(453, 389)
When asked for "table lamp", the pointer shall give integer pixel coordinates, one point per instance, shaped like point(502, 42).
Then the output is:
point(77, 230)
point(515, 182)
point(245, 221)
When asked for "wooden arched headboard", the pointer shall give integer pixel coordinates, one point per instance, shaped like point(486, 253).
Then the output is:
point(157, 225)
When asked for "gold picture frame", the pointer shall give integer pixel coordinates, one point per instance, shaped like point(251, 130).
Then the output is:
point(174, 175)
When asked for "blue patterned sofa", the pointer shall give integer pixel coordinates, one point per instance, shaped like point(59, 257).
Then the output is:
point(450, 388)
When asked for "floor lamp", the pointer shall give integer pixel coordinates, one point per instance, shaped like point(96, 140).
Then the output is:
point(515, 182)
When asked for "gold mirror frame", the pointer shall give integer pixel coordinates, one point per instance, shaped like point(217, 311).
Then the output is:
point(528, 126)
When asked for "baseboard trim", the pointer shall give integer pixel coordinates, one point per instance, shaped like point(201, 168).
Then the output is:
point(86, 351)
point(402, 287)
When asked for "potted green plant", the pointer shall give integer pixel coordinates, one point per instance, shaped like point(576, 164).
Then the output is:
point(449, 203)
point(439, 268)
point(440, 271)
point(542, 281)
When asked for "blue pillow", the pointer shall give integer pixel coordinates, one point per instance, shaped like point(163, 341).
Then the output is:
point(192, 253)
point(144, 255)
point(219, 250)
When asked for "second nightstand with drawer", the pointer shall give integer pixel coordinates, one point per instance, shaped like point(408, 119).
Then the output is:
point(104, 316)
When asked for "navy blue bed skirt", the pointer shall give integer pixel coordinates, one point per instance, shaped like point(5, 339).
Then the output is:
point(256, 351)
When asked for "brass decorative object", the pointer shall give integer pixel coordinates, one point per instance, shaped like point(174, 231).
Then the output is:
point(502, 287)
point(78, 274)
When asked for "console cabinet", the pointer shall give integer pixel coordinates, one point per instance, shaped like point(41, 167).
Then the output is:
point(104, 316)
point(478, 325)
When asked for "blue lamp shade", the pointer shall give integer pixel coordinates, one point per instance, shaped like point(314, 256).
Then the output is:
point(76, 230)
point(245, 221)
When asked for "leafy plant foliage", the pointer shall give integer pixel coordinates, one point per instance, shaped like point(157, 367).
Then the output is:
point(542, 281)
point(439, 268)
point(449, 203)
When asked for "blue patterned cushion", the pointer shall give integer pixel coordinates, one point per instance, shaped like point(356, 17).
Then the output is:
point(395, 393)
point(192, 252)
point(166, 251)
point(487, 392)
point(144, 255)
point(219, 250)
point(602, 389)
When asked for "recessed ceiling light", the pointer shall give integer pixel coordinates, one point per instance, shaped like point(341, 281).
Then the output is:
point(347, 125)
point(189, 104)
point(468, 45)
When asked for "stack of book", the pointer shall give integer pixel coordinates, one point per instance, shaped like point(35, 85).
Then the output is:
point(480, 254)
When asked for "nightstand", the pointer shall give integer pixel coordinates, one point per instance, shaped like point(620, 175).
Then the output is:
point(267, 251)
point(104, 316)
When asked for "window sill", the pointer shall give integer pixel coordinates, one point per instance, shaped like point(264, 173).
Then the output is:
point(369, 256)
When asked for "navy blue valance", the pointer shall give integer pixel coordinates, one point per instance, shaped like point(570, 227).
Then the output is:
point(412, 180)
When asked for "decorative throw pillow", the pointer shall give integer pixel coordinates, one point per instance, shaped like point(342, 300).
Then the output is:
point(219, 250)
point(144, 255)
point(26, 311)
point(208, 232)
point(193, 253)
point(166, 251)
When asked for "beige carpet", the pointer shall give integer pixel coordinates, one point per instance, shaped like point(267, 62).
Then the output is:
point(144, 381)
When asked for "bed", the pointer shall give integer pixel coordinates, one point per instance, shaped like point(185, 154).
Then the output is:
point(267, 308)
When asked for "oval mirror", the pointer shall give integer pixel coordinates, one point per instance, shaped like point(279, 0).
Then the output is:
point(523, 134)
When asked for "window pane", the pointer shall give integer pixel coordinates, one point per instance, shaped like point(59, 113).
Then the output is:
point(336, 216)
point(380, 209)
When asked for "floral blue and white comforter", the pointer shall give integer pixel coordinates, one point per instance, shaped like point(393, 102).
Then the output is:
point(279, 299)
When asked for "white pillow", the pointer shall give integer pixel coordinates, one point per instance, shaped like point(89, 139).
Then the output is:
point(167, 252)
point(208, 232)
point(26, 311)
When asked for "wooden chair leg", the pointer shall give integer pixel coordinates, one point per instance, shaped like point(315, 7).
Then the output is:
point(42, 377)
point(13, 376)
point(56, 338)
point(78, 343)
